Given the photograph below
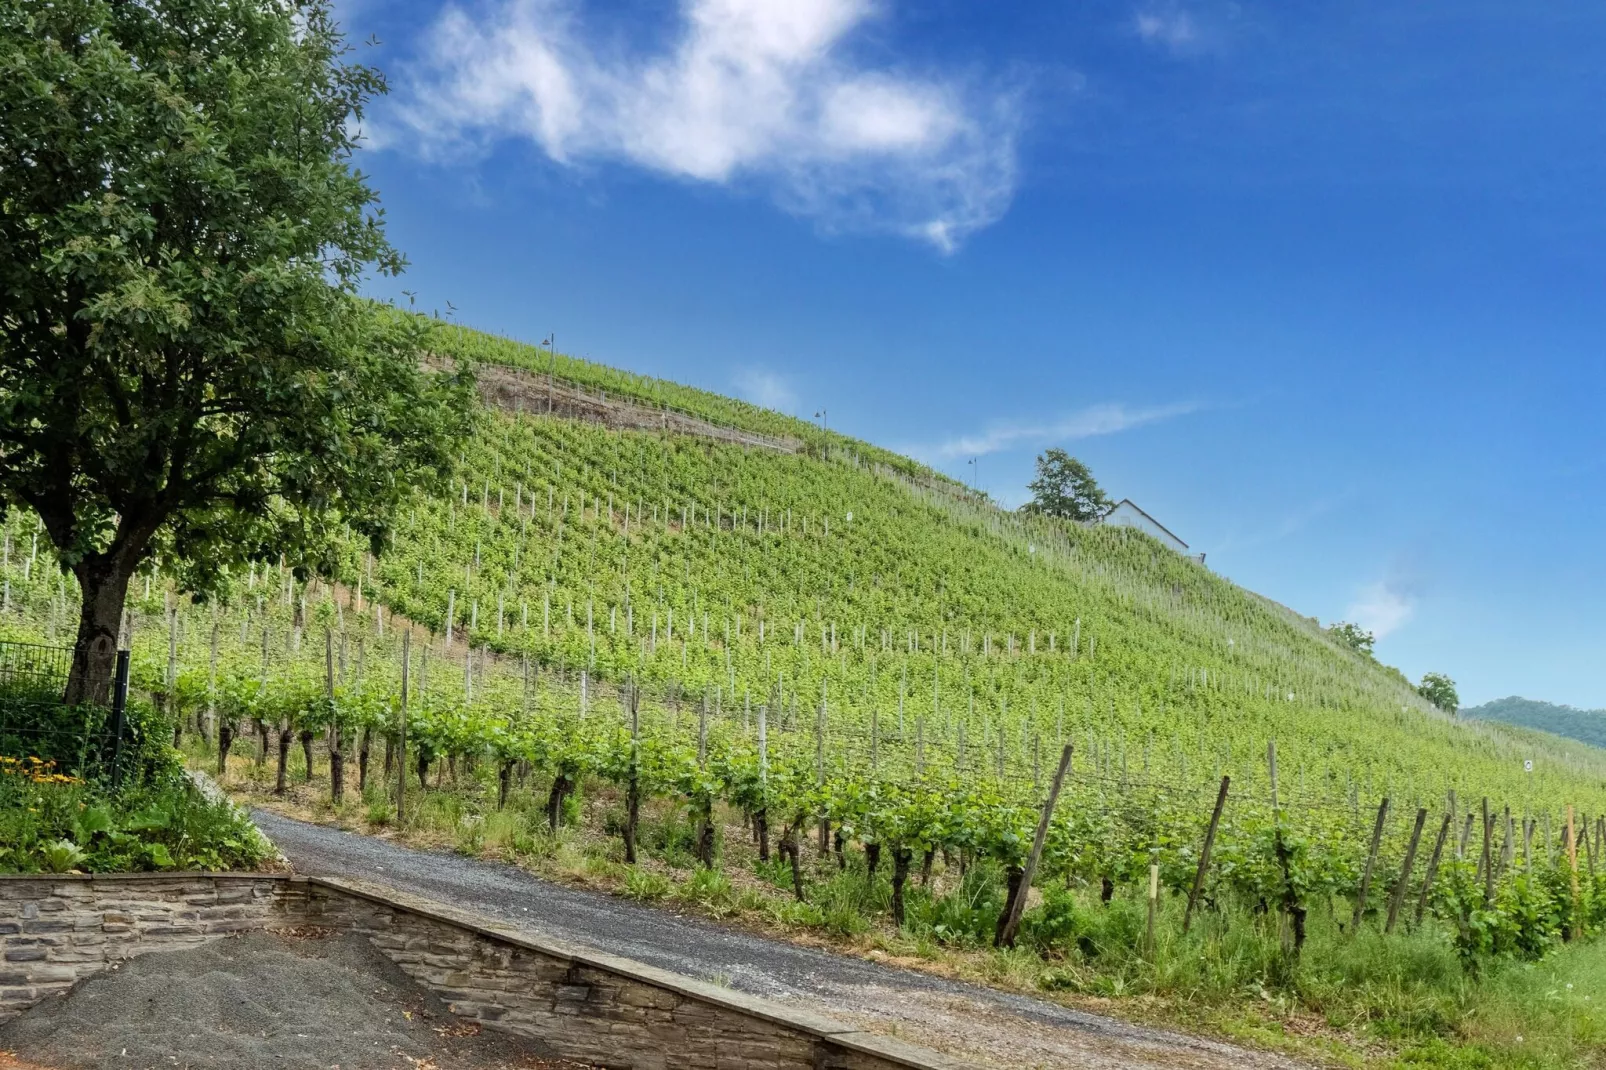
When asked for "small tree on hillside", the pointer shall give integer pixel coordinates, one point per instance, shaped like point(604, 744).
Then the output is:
point(185, 366)
point(1353, 636)
point(1065, 488)
point(1439, 689)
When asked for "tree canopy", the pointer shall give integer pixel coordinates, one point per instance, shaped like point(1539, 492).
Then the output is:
point(1353, 636)
point(1439, 689)
point(1065, 488)
point(186, 367)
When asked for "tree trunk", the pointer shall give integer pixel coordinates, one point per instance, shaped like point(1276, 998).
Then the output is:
point(363, 749)
point(1106, 890)
point(1292, 904)
point(632, 816)
point(900, 875)
point(1014, 877)
point(282, 783)
point(790, 852)
point(872, 859)
point(705, 834)
point(100, 616)
point(504, 780)
point(225, 740)
point(337, 767)
point(836, 843)
point(423, 770)
point(554, 801)
point(925, 867)
point(761, 825)
point(306, 750)
point(262, 739)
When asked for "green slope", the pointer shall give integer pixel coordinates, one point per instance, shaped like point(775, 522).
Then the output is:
point(757, 576)
point(1586, 726)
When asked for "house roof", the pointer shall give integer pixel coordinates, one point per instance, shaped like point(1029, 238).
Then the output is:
point(1146, 516)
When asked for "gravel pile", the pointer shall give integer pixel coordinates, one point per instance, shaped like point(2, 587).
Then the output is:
point(298, 1000)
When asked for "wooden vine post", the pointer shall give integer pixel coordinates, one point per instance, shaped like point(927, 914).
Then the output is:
point(1154, 905)
point(401, 728)
point(1433, 866)
point(1204, 854)
point(1371, 861)
point(1010, 927)
point(1405, 870)
point(1572, 864)
point(1485, 861)
point(337, 757)
point(633, 787)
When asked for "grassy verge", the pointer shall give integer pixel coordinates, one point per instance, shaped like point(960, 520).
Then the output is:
point(59, 812)
point(1350, 999)
point(54, 823)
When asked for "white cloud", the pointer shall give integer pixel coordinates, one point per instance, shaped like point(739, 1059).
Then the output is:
point(766, 388)
point(748, 91)
point(1382, 607)
point(1170, 29)
point(1387, 605)
point(1187, 31)
point(1095, 420)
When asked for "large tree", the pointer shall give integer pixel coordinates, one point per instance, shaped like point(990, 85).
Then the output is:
point(185, 365)
point(1065, 487)
point(1353, 636)
point(1439, 689)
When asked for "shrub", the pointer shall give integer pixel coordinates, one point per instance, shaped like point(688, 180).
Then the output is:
point(56, 823)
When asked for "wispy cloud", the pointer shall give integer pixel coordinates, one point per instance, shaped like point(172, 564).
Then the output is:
point(1107, 419)
point(766, 388)
point(1381, 609)
point(1170, 29)
point(1288, 525)
point(1185, 31)
point(747, 91)
point(1389, 604)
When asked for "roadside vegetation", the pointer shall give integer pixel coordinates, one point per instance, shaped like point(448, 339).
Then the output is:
point(1403, 1000)
point(72, 800)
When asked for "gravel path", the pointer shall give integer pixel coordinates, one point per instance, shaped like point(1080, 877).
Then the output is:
point(992, 1027)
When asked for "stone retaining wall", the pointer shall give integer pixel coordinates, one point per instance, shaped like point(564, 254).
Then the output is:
point(583, 1005)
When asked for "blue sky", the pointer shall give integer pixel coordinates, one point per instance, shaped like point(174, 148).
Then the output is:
point(1319, 286)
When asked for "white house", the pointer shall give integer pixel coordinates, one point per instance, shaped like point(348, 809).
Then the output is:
point(1127, 514)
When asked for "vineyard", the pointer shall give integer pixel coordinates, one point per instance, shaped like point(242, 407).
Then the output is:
point(861, 660)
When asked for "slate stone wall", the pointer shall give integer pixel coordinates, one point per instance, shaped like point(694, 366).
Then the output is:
point(581, 1004)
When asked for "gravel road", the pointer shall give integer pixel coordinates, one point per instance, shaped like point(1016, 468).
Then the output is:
point(992, 1027)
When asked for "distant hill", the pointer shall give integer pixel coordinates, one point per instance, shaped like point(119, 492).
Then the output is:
point(1587, 726)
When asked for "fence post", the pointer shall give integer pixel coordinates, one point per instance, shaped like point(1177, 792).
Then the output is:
point(1204, 855)
point(1405, 871)
point(1433, 866)
point(1371, 860)
point(1485, 861)
point(119, 713)
point(1572, 863)
point(401, 713)
point(1011, 923)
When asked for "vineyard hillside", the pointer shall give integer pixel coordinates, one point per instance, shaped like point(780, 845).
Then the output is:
point(820, 569)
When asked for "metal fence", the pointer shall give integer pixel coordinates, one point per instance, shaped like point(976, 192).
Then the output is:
point(34, 668)
point(40, 729)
